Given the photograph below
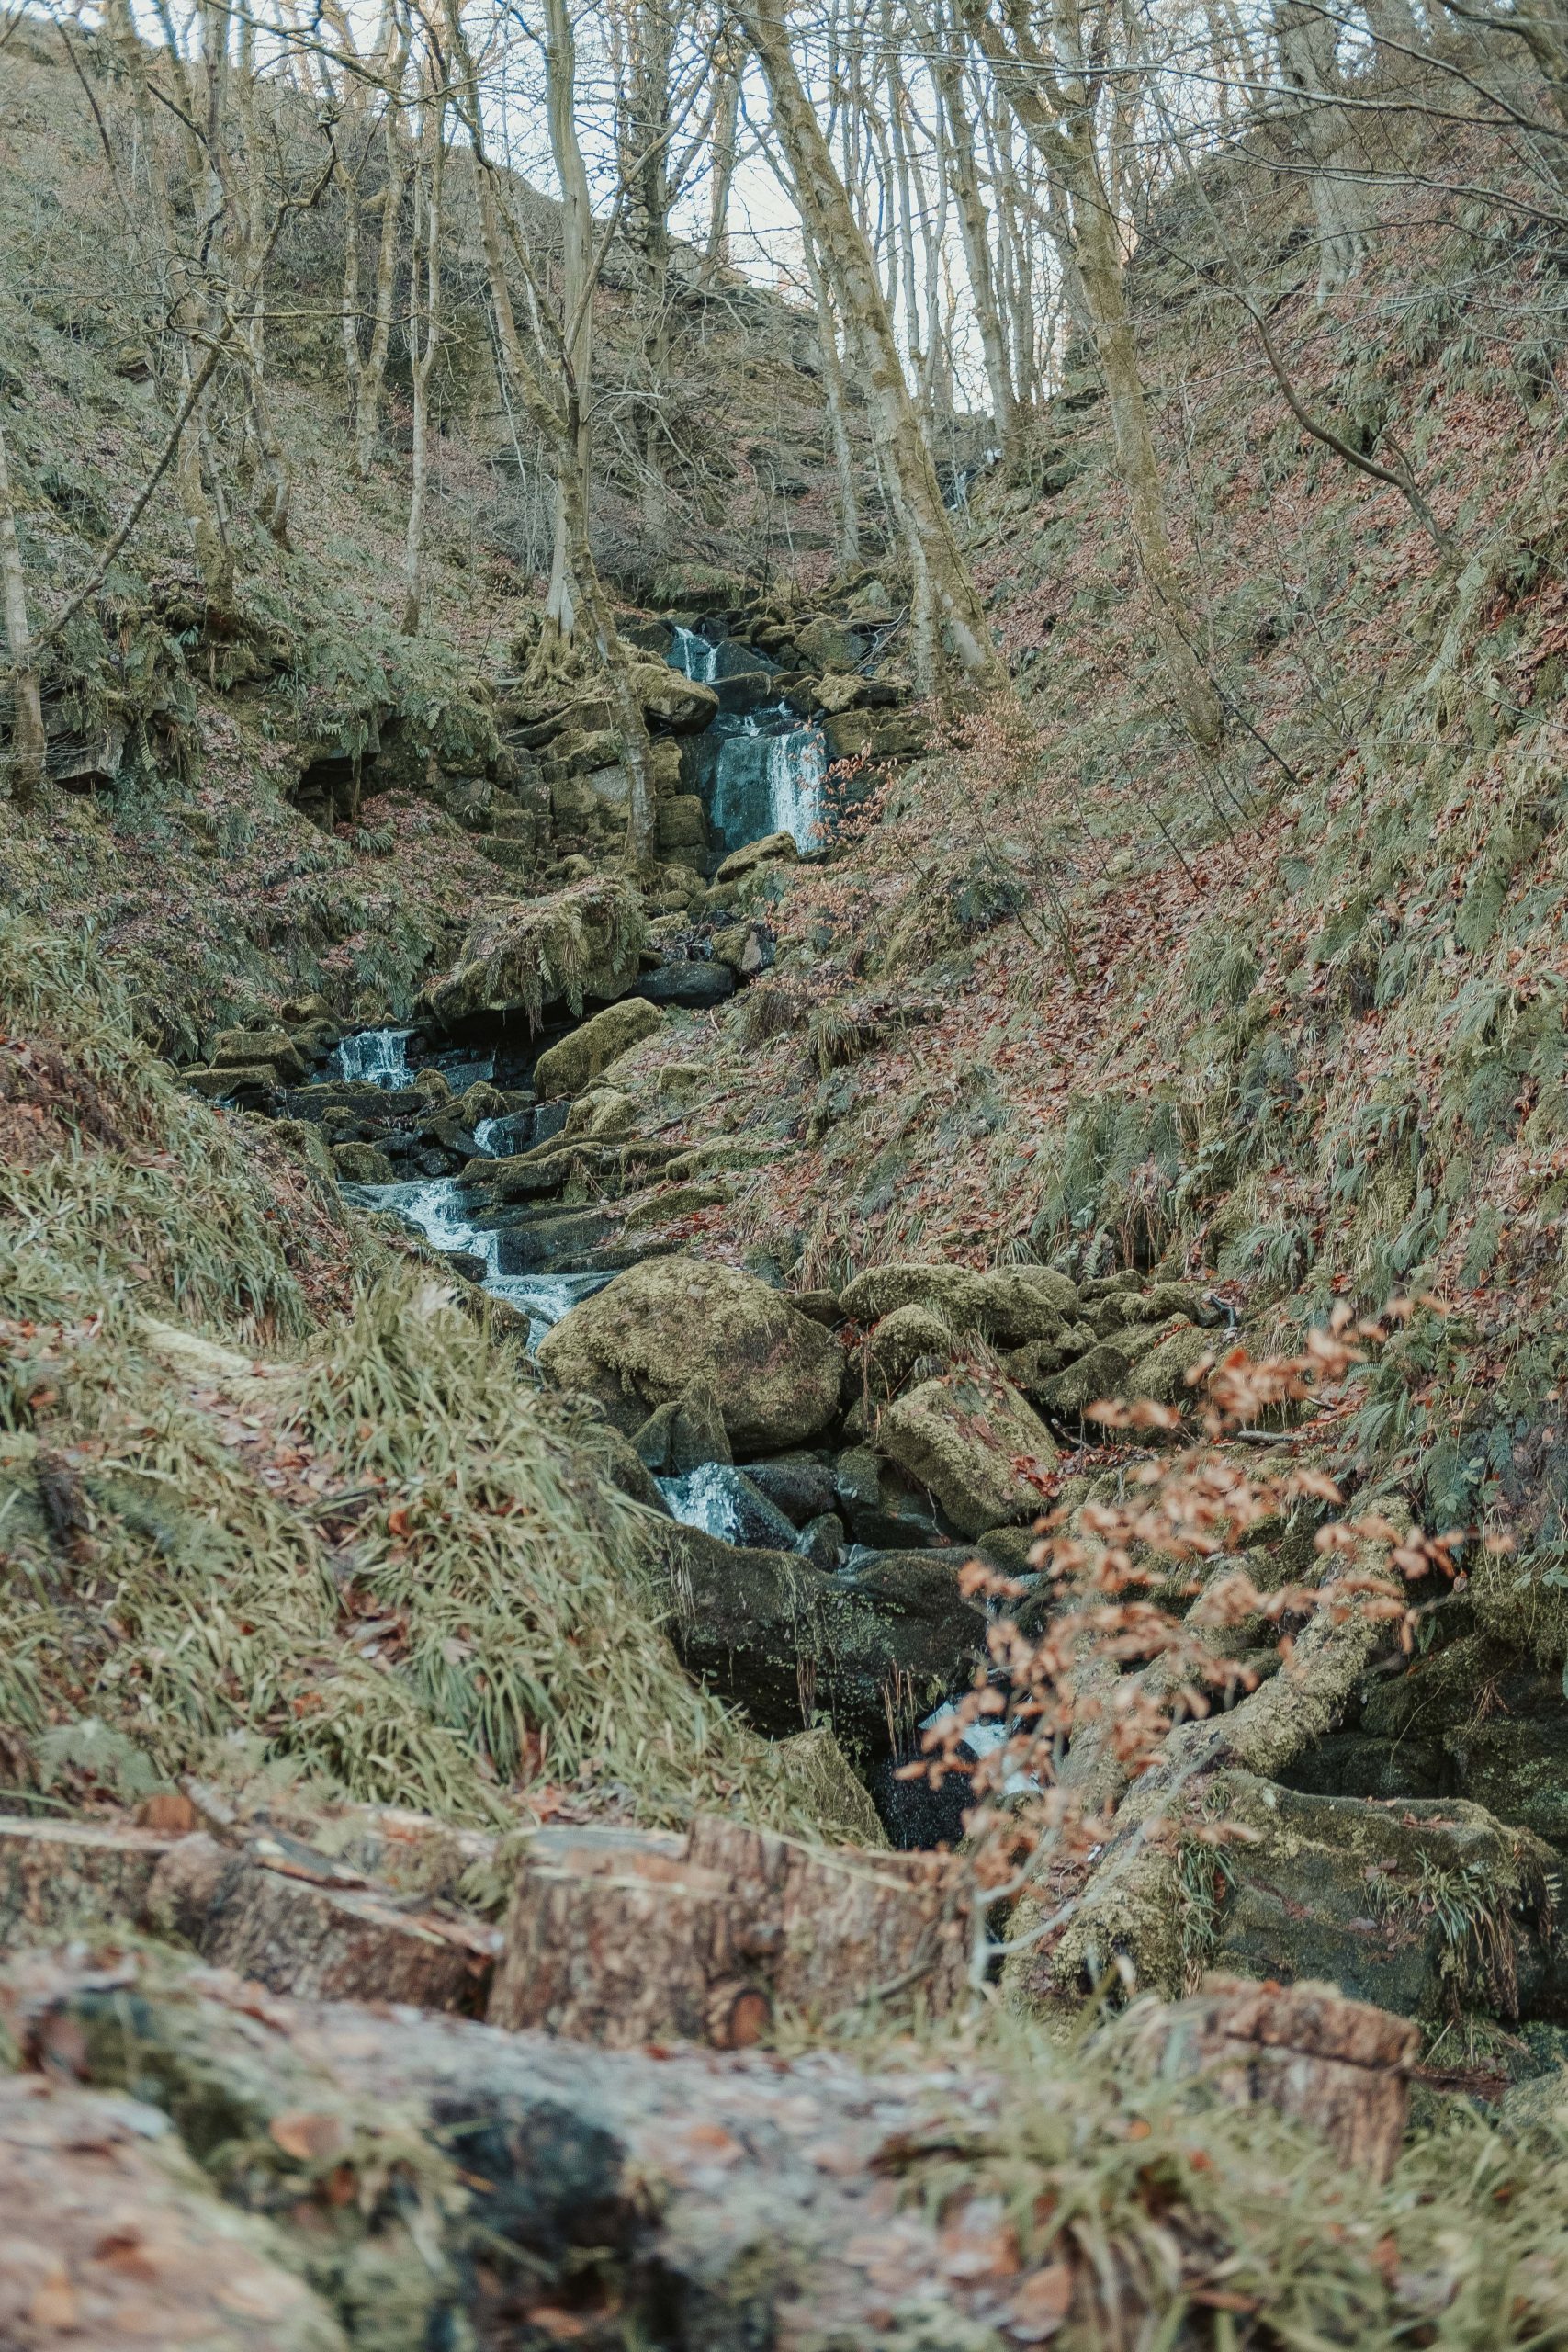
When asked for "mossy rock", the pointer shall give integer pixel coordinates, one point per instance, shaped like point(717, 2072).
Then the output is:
point(578, 943)
point(899, 1341)
point(639, 1344)
point(1102, 1374)
point(961, 1438)
point(1161, 1376)
point(361, 1163)
point(1010, 1304)
point(566, 1068)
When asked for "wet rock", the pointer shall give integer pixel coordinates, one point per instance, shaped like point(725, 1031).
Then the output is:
point(821, 1540)
point(639, 1342)
point(361, 1163)
point(961, 1438)
point(566, 1068)
point(693, 986)
point(879, 1509)
point(110, 2236)
point(721, 1500)
point(800, 1485)
point(771, 1632)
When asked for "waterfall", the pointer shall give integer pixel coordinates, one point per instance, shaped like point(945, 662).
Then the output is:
point(797, 765)
point(695, 657)
point(375, 1057)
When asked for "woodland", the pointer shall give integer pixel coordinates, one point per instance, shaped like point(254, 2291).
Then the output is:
point(783, 1175)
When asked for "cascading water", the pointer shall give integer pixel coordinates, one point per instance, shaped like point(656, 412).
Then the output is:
point(760, 771)
point(375, 1057)
point(437, 1209)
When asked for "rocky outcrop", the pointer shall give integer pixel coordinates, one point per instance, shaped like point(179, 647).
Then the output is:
point(639, 1344)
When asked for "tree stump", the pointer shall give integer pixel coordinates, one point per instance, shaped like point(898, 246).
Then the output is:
point(1342, 2066)
point(622, 1936)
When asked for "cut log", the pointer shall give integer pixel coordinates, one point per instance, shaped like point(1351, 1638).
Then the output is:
point(1342, 2066)
point(320, 1941)
point(66, 1878)
point(621, 1937)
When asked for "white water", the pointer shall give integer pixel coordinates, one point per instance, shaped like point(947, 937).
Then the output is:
point(435, 1208)
point(704, 1497)
point(768, 778)
point(375, 1057)
point(695, 657)
point(980, 1740)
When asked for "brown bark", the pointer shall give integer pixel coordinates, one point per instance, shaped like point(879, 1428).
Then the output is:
point(950, 597)
point(621, 1936)
point(1341, 2066)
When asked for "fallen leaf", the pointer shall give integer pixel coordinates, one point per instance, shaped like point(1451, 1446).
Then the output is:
point(312, 2139)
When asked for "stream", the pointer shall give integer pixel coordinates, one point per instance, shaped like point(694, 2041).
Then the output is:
point(760, 772)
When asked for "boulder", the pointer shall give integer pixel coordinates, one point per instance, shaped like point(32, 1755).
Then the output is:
point(1346, 1890)
point(821, 1540)
point(826, 644)
point(878, 735)
point(879, 1509)
point(681, 1436)
point(1089, 1380)
point(682, 822)
point(1162, 1374)
point(721, 1500)
point(639, 1342)
point(801, 1485)
point(519, 956)
point(743, 946)
point(566, 1068)
point(361, 1163)
point(694, 987)
point(252, 1085)
point(1010, 1304)
point(682, 705)
point(769, 1631)
point(248, 1048)
point(770, 849)
point(900, 1340)
point(965, 1439)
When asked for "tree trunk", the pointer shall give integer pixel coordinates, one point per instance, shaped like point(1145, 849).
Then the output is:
point(976, 229)
point(577, 293)
point(424, 332)
point(846, 258)
point(373, 367)
point(29, 743)
point(726, 129)
point(838, 419)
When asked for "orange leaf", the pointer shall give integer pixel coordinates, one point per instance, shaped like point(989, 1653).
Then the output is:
point(312, 2139)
